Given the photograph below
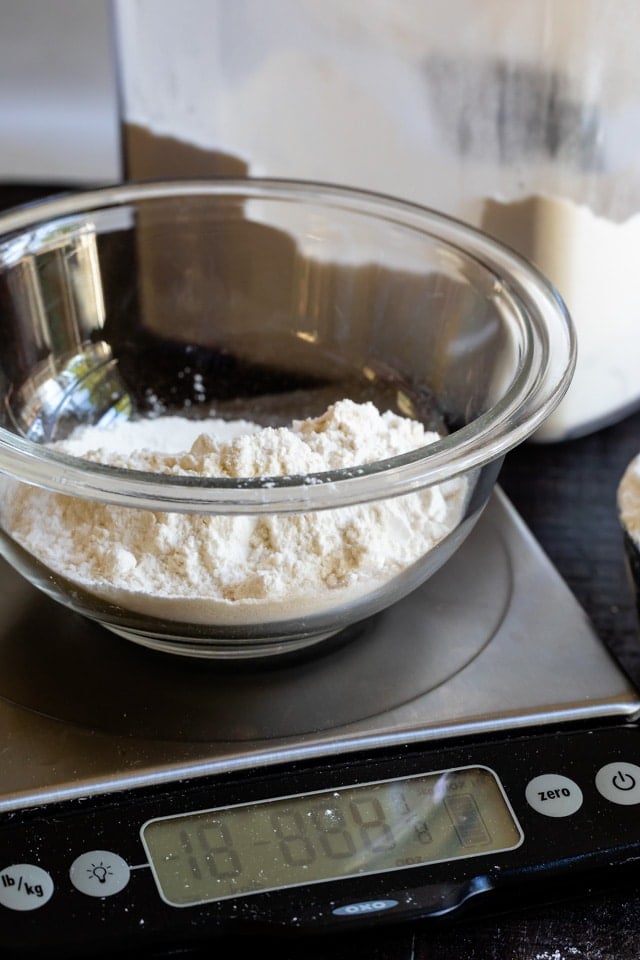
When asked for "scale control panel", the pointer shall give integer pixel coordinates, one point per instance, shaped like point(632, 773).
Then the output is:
point(394, 835)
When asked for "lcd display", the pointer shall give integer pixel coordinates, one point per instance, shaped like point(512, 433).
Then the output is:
point(326, 835)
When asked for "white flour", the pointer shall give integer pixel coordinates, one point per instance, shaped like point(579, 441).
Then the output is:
point(628, 497)
point(225, 569)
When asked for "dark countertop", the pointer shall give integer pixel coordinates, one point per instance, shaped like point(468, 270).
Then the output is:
point(566, 493)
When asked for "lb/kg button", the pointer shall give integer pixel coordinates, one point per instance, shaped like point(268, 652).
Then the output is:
point(619, 782)
point(24, 886)
point(554, 795)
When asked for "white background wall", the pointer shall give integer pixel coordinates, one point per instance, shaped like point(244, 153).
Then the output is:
point(58, 99)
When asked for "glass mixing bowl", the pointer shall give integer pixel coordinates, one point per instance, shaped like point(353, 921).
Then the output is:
point(267, 303)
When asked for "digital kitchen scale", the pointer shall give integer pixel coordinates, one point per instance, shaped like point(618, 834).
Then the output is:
point(474, 739)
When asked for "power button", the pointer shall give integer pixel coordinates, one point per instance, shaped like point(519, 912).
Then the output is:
point(619, 782)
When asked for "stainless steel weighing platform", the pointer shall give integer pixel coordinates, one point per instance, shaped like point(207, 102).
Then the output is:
point(494, 641)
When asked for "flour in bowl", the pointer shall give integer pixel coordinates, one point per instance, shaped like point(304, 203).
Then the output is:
point(208, 568)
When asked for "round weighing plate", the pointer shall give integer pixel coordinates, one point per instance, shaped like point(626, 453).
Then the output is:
point(56, 663)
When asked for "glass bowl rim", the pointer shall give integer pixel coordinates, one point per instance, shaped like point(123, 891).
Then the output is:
point(547, 333)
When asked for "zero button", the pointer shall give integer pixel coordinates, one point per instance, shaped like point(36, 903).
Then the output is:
point(554, 795)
